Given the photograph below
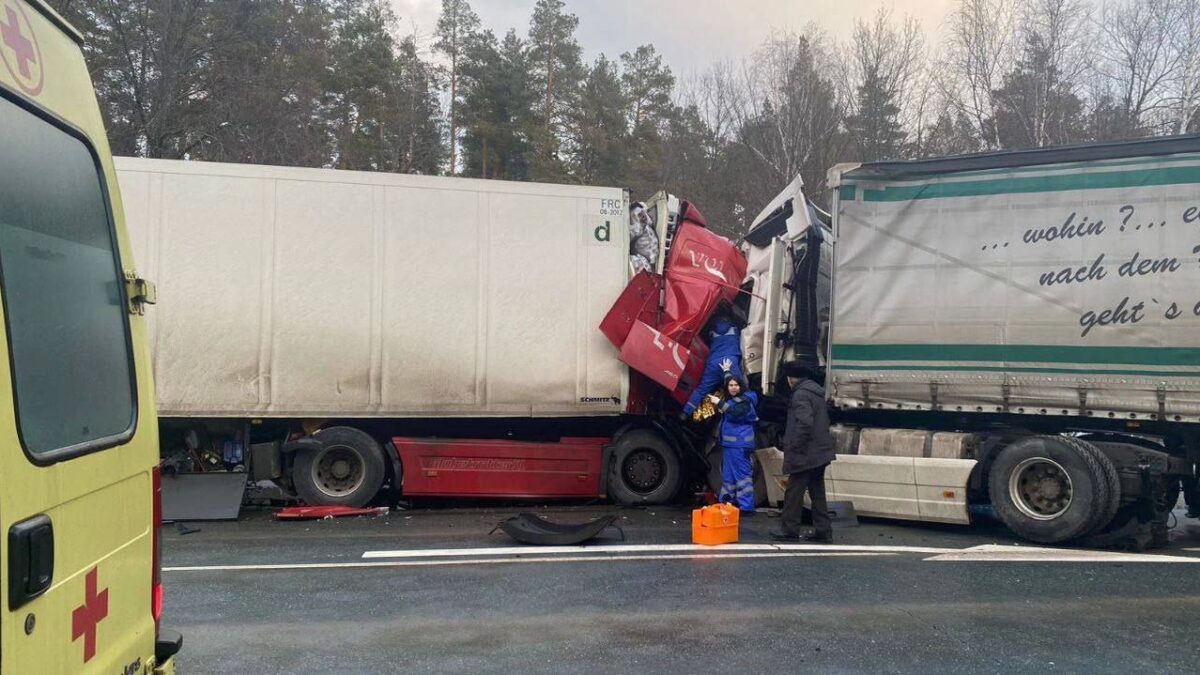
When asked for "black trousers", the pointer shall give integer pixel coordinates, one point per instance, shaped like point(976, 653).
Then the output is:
point(812, 482)
point(1191, 493)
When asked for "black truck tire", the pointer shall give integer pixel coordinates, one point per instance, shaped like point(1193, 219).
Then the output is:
point(645, 469)
point(346, 470)
point(1110, 490)
point(1048, 489)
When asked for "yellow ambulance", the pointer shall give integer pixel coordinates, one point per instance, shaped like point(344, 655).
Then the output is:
point(79, 506)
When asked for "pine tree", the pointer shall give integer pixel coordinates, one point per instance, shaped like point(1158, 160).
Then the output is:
point(362, 67)
point(495, 115)
point(148, 64)
point(648, 85)
point(556, 73)
point(417, 118)
point(1035, 106)
point(598, 122)
point(456, 28)
point(384, 111)
point(875, 127)
point(267, 104)
point(952, 134)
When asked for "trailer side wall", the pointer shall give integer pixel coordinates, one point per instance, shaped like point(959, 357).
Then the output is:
point(1046, 289)
point(317, 293)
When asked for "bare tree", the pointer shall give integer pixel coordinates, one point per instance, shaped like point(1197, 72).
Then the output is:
point(893, 52)
point(1038, 103)
point(1137, 64)
point(887, 61)
point(714, 94)
point(1184, 37)
point(789, 111)
point(925, 105)
point(981, 46)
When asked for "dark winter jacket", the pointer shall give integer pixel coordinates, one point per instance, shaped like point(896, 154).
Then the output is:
point(807, 443)
point(737, 422)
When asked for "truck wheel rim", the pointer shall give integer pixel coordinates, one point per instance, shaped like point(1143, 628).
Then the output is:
point(1041, 488)
point(338, 471)
point(643, 471)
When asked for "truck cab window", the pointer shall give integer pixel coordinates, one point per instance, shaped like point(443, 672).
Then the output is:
point(61, 281)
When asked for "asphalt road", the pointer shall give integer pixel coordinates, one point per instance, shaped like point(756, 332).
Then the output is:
point(429, 591)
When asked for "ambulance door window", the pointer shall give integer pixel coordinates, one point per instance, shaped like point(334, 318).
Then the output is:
point(63, 292)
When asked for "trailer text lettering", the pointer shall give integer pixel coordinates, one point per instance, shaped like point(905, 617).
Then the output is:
point(1138, 266)
point(1068, 230)
point(1121, 314)
point(1076, 275)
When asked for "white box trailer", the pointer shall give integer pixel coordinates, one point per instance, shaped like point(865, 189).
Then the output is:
point(292, 292)
point(1042, 302)
point(323, 325)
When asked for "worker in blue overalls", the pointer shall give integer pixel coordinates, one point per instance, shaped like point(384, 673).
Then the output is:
point(724, 356)
point(738, 416)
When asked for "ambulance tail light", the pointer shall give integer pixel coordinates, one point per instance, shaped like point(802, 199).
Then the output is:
point(156, 589)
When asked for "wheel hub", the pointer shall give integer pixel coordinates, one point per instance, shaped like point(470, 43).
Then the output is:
point(338, 471)
point(1050, 488)
point(1041, 488)
point(643, 471)
point(341, 469)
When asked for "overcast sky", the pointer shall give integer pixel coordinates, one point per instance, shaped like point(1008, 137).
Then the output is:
point(691, 34)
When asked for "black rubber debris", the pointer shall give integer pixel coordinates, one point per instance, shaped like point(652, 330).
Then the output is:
point(529, 528)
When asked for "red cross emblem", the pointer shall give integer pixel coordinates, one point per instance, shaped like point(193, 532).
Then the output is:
point(19, 48)
point(88, 616)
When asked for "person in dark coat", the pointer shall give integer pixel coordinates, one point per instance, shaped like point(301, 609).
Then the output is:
point(807, 450)
point(738, 418)
point(1191, 492)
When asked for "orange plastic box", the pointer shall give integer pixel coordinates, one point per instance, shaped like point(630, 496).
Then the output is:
point(716, 524)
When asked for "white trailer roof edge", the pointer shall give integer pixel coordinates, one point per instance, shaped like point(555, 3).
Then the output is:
point(343, 176)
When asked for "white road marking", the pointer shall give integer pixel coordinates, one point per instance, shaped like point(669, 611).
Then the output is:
point(645, 548)
point(635, 552)
point(496, 561)
point(997, 553)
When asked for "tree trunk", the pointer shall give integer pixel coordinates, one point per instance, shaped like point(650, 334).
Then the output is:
point(453, 100)
point(550, 80)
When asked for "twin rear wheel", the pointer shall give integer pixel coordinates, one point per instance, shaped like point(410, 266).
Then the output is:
point(346, 470)
point(1052, 489)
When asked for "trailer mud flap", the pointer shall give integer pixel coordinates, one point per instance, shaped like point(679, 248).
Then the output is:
point(528, 528)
